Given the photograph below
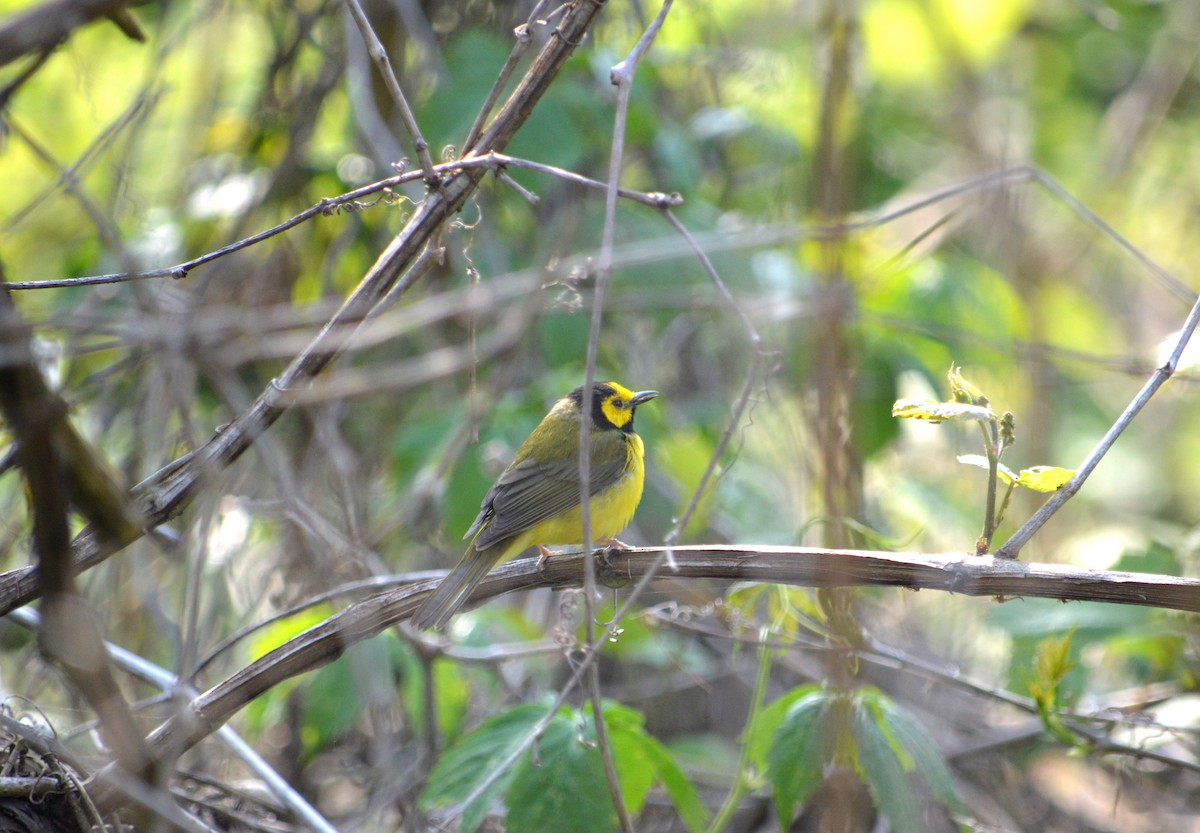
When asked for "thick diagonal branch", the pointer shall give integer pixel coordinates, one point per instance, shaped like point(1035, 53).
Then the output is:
point(165, 494)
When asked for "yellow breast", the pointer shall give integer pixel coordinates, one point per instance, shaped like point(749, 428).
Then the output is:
point(610, 510)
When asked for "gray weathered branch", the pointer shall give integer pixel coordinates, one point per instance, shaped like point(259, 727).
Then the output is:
point(802, 566)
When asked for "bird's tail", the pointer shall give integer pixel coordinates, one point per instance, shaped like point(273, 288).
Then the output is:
point(454, 590)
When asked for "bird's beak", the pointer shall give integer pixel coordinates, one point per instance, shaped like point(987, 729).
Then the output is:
point(642, 396)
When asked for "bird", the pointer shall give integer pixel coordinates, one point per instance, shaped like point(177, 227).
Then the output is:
point(536, 500)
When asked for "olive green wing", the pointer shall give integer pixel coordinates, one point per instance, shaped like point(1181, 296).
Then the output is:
point(530, 491)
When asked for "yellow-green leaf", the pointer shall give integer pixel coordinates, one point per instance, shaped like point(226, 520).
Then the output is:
point(941, 411)
point(963, 390)
point(979, 461)
point(1044, 478)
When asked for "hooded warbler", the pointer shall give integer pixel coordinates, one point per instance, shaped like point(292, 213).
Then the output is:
point(535, 501)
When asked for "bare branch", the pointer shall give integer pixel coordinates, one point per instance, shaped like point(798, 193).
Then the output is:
point(962, 574)
point(1012, 547)
point(60, 469)
point(524, 36)
point(166, 681)
point(165, 494)
point(622, 77)
point(495, 162)
point(380, 57)
point(48, 25)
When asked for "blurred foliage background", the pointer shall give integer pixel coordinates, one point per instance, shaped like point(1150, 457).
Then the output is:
point(776, 122)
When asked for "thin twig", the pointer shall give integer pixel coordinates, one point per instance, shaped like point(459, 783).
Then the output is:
point(430, 256)
point(715, 277)
point(991, 445)
point(652, 199)
point(7, 91)
point(622, 78)
point(654, 251)
point(524, 36)
point(523, 192)
point(69, 176)
point(116, 780)
point(61, 470)
point(380, 57)
point(1012, 547)
point(159, 677)
point(349, 202)
point(743, 399)
point(166, 494)
point(1177, 287)
point(741, 782)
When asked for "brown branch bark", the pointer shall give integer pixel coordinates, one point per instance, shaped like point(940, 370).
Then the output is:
point(45, 26)
point(60, 469)
point(803, 566)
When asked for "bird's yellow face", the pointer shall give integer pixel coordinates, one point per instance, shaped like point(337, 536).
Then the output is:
point(613, 405)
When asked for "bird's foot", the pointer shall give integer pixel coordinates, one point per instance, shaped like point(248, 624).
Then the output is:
point(543, 556)
point(613, 544)
point(610, 545)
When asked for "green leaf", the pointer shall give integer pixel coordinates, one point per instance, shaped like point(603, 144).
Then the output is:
point(926, 760)
point(335, 695)
point(767, 725)
point(331, 706)
point(884, 771)
point(963, 390)
point(1037, 478)
point(684, 455)
point(941, 411)
point(692, 810)
point(468, 762)
point(1045, 478)
point(979, 461)
point(566, 788)
point(1051, 665)
point(635, 769)
point(882, 361)
point(280, 631)
point(1155, 558)
point(641, 760)
point(636, 752)
point(269, 709)
point(800, 748)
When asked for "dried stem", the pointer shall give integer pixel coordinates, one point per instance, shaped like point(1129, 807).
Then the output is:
point(349, 201)
point(164, 680)
point(1012, 547)
point(524, 36)
point(622, 78)
point(165, 494)
point(380, 57)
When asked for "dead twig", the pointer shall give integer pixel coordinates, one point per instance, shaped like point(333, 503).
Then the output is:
point(164, 495)
point(380, 57)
